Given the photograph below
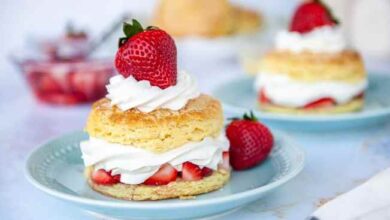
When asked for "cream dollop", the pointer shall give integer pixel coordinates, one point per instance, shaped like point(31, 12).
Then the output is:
point(135, 165)
point(324, 39)
point(127, 93)
point(283, 90)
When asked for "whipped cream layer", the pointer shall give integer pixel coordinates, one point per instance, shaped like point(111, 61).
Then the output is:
point(324, 39)
point(135, 165)
point(127, 93)
point(282, 90)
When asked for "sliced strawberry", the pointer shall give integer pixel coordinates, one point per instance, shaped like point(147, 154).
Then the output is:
point(206, 171)
point(59, 98)
point(101, 79)
point(163, 176)
point(59, 72)
point(191, 172)
point(104, 178)
point(82, 83)
point(360, 96)
point(44, 83)
point(262, 97)
point(321, 103)
point(225, 160)
point(117, 178)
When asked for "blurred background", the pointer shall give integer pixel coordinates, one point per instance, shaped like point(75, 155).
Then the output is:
point(26, 24)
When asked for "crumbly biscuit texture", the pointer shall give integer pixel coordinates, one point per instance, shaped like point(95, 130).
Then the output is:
point(160, 130)
point(346, 66)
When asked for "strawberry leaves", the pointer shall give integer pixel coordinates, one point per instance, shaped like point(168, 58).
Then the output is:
point(247, 116)
point(130, 30)
point(250, 116)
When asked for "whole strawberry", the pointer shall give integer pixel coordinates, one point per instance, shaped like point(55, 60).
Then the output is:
point(250, 142)
point(310, 15)
point(147, 54)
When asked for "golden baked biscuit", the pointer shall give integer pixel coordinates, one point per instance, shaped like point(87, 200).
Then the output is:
point(160, 130)
point(351, 106)
point(177, 189)
point(245, 21)
point(194, 17)
point(204, 18)
point(345, 66)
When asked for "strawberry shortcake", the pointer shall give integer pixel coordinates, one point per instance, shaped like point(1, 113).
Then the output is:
point(311, 69)
point(154, 136)
point(204, 18)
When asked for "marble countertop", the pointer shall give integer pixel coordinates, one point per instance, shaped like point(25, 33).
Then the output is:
point(336, 160)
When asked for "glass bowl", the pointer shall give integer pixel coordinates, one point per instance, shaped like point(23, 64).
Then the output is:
point(67, 82)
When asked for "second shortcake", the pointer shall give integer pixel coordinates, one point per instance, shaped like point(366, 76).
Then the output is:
point(311, 69)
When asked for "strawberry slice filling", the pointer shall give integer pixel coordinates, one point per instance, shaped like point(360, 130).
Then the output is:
point(103, 177)
point(165, 174)
point(321, 103)
point(325, 102)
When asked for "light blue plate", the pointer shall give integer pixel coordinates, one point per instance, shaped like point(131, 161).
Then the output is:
point(57, 169)
point(238, 96)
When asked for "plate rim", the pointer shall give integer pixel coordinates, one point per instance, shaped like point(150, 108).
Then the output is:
point(156, 205)
point(230, 108)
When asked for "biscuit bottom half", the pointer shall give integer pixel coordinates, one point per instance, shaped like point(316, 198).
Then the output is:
point(355, 104)
point(177, 189)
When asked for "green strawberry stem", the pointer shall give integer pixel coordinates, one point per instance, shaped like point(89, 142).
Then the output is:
point(247, 116)
point(250, 116)
point(132, 29)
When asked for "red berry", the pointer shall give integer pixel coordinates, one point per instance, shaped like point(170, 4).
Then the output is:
point(310, 15)
point(250, 142)
point(83, 83)
point(206, 171)
point(104, 178)
point(163, 176)
point(191, 172)
point(262, 97)
point(321, 103)
point(117, 178)
point(61, 99)
point(148, 55)
point(44, 82)
point(225, 161)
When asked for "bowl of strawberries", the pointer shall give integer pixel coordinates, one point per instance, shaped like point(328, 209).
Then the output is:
point(67, 82)
point(60, 71)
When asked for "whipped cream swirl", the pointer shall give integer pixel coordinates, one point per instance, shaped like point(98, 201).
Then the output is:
point(324, 39)
point(127, 93)
point(283, 90)
point(135, 165)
